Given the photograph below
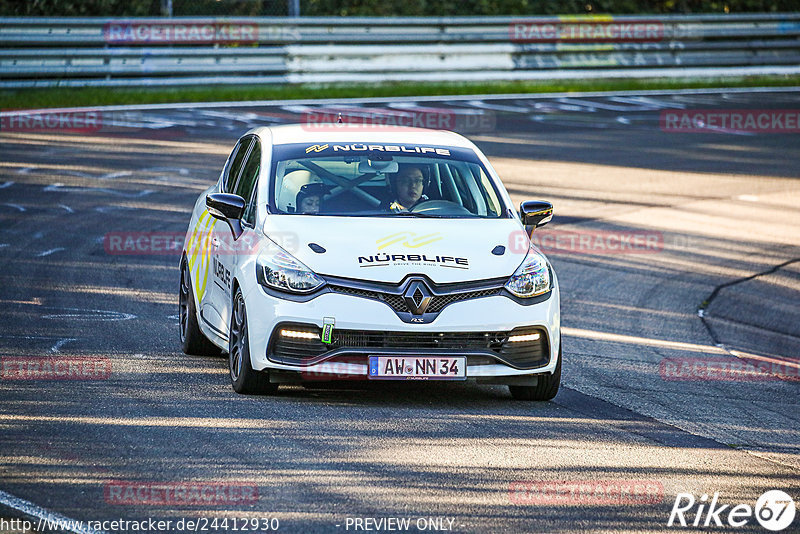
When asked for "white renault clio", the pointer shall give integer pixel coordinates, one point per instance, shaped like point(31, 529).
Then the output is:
point(368, 255)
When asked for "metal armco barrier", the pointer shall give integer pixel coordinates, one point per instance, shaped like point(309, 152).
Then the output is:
point(42, 52)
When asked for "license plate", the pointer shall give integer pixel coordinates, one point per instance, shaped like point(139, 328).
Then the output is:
point(418, 368)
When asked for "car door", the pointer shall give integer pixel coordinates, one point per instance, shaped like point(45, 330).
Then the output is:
point(230, 258)
point(221, 248)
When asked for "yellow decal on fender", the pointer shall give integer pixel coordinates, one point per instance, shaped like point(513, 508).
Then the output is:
point(199, 252)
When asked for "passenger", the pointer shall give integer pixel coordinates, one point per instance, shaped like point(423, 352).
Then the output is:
point(407, 187)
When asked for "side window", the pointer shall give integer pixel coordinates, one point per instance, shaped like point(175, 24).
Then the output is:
point(232, 172)
point(248, 180)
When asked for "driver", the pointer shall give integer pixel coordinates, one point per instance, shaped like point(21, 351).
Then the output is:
point(407, 187)
point(309, 198)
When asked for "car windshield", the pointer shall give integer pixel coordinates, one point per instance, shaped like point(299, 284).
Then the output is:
point(361, 179)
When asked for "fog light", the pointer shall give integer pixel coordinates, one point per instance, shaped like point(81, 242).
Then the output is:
point(299, 334)
point(523, 337)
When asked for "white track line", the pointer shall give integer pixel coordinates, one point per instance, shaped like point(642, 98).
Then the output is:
point(33, 510)
point(379, 100)
point(60, 343)
point(48, 252)
point(15, 206)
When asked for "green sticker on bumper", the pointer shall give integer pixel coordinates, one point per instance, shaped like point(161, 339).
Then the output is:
point(327, 330)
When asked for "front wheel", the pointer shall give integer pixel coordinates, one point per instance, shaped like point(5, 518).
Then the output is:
point(546, 387)
point(244, 379)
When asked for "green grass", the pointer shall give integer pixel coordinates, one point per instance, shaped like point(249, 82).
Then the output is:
point(61, 97)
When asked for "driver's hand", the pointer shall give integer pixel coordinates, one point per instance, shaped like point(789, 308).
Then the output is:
point(396, 206)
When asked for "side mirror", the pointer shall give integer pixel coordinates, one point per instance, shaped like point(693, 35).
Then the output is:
point(228, 208)
point(535, 213)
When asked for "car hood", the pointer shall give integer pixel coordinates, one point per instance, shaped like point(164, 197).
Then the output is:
point(388, 249)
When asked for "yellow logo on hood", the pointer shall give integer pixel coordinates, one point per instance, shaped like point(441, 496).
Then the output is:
point(408, 239)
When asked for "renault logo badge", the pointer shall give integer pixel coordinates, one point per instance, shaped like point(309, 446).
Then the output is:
point(417, 298)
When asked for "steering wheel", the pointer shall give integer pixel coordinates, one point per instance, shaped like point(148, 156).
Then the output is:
point(440, 207)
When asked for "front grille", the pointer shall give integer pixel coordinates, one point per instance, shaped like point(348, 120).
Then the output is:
point(398, 303)
point(440, 301)
point(524, 354)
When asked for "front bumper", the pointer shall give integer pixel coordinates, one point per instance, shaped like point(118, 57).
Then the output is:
point(386, 333)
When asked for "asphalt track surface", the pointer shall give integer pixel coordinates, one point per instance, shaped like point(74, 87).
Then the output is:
point(726, 206)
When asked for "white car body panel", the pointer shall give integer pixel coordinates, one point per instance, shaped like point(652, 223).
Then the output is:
point(346, 239)
point(355, 237)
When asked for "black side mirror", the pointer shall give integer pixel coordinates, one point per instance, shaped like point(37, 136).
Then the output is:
point(535, 213)
point(228, 208)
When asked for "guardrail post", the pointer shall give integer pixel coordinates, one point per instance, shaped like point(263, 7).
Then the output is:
point(166, 8)
point(294, 8)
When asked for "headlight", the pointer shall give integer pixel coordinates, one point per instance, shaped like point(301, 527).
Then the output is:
point(532, 278)
point(277, 269)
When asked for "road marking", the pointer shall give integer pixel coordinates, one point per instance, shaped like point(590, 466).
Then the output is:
point(88, 315)
point(496, 107)
point(33, 510)
point(151, 421)
point(6, 184)
point(61, 188)
point(48, 252)
point(636, 340)
point(64, 206)
point(12, 336)
point(118, 174)
point(109, 209)
point(379, 100)
point(60, 343)
point(180, 170)
point(15, 206)
point(773, 360)
point(748, 198)
point(647, 104)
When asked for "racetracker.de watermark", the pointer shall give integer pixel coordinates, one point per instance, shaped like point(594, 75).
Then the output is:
point(343, 368)
point(586, 492)
point(685, 369)
point(366, 119)
point(202, 242)
point(180, 493)
point(85, 121)
point(218, 32)
point(586, 31)
point(72, 121)
point(54, 368)
point(730, 120)
point(609, 242)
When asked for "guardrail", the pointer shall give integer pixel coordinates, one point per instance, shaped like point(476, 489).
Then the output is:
point(119, 52)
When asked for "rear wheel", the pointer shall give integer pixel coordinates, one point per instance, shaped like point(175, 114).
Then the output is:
point(546, 387)
point(192, 339)
point(244, 379)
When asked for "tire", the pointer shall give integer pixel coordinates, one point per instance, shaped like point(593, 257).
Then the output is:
point(546, 387)
point(243, 378)
point(193, 341)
